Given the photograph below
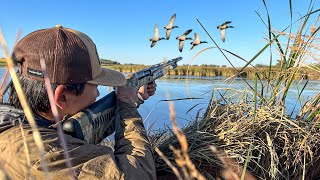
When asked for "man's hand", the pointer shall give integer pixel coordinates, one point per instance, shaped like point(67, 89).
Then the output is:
point(147, 90)
point(132, 95)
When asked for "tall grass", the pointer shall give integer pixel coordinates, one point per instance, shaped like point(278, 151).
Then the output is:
point(252, 126)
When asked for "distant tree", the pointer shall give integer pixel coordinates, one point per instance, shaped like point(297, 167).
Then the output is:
point(213, 65)
point(224, 66)
point(261, 65)
point(132, 64)
point(108, 61)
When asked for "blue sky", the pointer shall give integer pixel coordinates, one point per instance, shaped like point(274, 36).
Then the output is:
point(122, 29)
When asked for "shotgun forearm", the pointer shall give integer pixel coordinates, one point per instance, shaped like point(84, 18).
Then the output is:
point(151, 73)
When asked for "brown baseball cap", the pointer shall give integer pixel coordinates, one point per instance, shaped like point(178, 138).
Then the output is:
point(70, 56)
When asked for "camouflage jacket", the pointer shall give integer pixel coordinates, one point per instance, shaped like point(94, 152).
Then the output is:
point(132, 157)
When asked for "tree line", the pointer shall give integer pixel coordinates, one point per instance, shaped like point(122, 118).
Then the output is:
point(108, 62)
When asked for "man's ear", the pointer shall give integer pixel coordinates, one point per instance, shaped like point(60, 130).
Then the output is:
point(59, 96)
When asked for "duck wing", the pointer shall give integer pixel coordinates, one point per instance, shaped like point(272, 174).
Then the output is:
point(187, 32)
point(173, 17)
point(227, 22)
point(168, 34)
point(181, 43)
point(196, 38)
point(193, 45)
point(153, 43)
point(156, 32)
point(223, 34)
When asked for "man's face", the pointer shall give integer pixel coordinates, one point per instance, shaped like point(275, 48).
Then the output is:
point(85, 99)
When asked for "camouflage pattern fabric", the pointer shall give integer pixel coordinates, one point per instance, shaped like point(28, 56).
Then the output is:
point(131, 159)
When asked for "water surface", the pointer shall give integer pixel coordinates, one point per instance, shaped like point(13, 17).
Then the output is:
point(155, 111)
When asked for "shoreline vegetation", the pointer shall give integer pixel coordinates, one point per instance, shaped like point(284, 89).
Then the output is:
point(212, 70)
point(309, 72)
point(204, 71)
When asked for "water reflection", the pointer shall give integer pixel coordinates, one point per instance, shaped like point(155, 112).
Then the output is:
point(156, 113)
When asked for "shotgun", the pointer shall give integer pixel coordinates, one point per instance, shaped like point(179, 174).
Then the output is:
point(96, 122)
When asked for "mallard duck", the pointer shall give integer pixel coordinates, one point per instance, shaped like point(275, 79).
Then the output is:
point(223, 28)
point(170, 26)
point(196, 41)
point(156, 37)
point(182, 38)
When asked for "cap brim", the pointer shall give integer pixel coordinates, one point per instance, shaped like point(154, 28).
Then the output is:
point(109, 77)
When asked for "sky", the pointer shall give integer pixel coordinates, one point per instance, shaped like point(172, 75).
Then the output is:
point(122, 29)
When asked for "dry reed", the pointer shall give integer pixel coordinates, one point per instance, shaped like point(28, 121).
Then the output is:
point(183, 167)
point(25, 106)
point(56, 115)
point(280, 147)
point(254, 130)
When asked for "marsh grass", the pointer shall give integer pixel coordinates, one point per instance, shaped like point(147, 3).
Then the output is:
point(253, 128)
point(311, 72)
point(264, 139)
point(187, 169)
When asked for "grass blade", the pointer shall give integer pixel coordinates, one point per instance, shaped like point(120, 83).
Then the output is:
point(25, 105)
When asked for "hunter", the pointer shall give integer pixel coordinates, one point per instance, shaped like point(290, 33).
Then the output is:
point(74, 70)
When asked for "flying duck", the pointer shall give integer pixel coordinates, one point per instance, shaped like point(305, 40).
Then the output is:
point(223, 28)
point(196, 41)
point(170, 26)
point(182, 38)
point(155, 38)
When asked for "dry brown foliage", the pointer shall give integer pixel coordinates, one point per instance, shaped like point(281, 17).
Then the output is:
point(280, 147)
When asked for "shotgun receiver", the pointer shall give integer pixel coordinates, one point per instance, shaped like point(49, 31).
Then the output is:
point(96, 122)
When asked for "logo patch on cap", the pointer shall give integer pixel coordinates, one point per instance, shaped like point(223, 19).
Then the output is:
point(34, 72)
